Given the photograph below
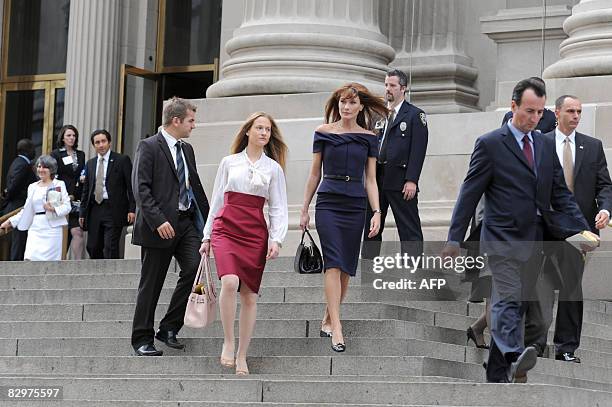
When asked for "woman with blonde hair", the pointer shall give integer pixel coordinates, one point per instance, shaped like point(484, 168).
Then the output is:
point(236, 229)
point(346, 149)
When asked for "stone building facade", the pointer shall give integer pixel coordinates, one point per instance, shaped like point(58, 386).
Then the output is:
point(123, 58)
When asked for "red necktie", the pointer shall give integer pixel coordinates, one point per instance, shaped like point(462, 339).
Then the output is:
point(527, 151)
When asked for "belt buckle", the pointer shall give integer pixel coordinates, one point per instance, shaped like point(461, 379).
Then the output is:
point(347, 178)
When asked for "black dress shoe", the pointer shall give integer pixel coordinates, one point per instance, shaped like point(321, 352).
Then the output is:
point(568, 357)
point(169, 338)
point(517, 372)
point(148, 350)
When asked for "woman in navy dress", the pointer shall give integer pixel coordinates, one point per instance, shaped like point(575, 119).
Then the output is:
point(346, 149)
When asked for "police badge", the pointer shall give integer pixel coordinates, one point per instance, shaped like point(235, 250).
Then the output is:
point(403, 126)
point(423, 118)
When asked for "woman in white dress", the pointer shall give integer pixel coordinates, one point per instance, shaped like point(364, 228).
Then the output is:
point(44, 213)
point(236, 228)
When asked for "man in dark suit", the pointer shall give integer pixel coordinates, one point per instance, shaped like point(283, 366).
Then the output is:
point(586, 174)
point(171, 207)
point(518, 172)
point(107, 204)
point(20, 176)
point(402, 148)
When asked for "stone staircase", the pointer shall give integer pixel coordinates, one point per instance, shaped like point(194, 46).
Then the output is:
point(68, 324)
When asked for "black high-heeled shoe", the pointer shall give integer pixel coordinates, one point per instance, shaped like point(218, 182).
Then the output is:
point(325, 334)
point(338, 347)
point(471, 335)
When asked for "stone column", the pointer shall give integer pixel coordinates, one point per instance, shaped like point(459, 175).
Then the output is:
point(92, 67)
point(442, 74)
point(588, 50)
point(301, 46)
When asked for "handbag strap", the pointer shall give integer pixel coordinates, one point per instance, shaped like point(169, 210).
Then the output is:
point(210, 291)
point(306, 232)
point(198, 276)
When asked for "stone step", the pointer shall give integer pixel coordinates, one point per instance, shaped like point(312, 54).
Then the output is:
point(374, 367)
point(589, 357)
point(128, 295)
point(264, 328)
point(460, 322)
point(475, 309)
point(130, 280)
point(288, 346)
point(106, 312)
point(129, 403)
point(114, 266)
point(107, 266)
point(303, 390)
point(314, 311)
point(299, 346)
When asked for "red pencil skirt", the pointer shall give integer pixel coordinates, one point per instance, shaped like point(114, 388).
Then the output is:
point(239, 238)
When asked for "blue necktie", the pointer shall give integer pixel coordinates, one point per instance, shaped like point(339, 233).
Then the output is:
point(180, 168)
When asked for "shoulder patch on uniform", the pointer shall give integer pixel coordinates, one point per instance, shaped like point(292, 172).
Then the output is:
point(423, 118)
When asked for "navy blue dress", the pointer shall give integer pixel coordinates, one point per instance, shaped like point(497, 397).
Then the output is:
point(341, 205)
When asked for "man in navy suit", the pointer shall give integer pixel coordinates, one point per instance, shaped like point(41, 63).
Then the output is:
point(522, 179)
point(402, 148)
point(586, 174)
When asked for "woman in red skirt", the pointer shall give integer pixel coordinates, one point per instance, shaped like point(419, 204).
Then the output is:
point(236, 228)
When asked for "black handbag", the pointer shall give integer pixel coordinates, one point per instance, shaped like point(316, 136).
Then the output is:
point(308, 258)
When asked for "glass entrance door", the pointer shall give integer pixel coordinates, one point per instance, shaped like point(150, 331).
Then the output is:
point(33, 110)
point(139, 107)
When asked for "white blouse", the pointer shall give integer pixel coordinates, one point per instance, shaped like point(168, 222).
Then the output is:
point(263, 178)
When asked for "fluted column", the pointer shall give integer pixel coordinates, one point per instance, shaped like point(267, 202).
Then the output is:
point(92, 68)
point(588, 50)
point(300, 46)
point(442, 74)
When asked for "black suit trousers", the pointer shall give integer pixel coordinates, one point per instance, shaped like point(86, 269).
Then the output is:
point(407, 220)
point(103, 236)
point(155, 262)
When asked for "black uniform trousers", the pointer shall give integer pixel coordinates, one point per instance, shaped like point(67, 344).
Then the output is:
point(568, 325)
point(103, 236)
point(407, 220)
point(155, 262)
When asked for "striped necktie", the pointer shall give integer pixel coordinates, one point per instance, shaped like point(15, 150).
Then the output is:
point(180, 168)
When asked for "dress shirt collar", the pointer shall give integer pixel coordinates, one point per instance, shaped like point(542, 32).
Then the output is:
point(106, 156)
point(560, 136)
point(169, 139)
point(25, 158)
point(518, 135)
point(398, 107)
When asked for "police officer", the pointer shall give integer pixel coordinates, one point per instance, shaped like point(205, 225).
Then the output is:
point(402, 148)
